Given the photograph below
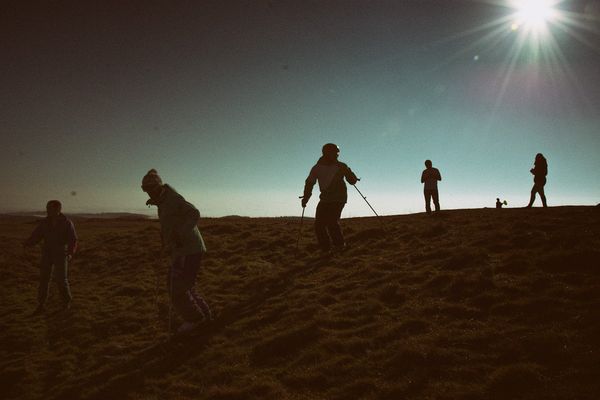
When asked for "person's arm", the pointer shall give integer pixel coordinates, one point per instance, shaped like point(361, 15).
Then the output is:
point(350, 176)
point(71, 239)
point(439, 176)
point(36, 236)
point(308, 186)
point(189, 220)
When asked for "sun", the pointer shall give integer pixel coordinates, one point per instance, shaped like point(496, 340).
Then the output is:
point(535, 33)
point(532, 15)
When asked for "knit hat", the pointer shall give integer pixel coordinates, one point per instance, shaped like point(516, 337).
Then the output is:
point(151, 179)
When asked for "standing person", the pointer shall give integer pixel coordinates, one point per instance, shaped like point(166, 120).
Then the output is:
point(430, 178)
point(539, 172)
point(60, 244)
point(181, 237)
point(330, 173)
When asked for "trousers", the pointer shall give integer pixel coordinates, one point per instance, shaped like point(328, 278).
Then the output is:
point(537, 188)
point(181, 282)
point(429, 194)
point(54, 264)
point(327, 225)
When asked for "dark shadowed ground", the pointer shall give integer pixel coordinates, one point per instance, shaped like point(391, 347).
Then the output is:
point(470, 304)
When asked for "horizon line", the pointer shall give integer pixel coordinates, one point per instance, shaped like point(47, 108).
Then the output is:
point(40, 213)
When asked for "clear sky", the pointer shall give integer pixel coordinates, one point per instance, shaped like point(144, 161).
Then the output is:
point(232, 101)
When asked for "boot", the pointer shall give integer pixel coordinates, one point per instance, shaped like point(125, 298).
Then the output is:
point(188, 327)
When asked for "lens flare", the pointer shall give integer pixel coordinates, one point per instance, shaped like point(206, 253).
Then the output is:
point(530, 37)
point(533, 15)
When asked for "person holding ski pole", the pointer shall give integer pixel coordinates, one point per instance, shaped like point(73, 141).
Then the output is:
point(60, 244)
point(330, 174)
point(430, 178)
point(181, 237)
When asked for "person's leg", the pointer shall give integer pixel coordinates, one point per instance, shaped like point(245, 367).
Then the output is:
point(321, 226)
point(61, 266)
point(334, 213)
point(427, 194)
point(181, 281)
point(542, 195)
point(436, 199)
point(532, 198)
point(192, 267)
point(45, 276)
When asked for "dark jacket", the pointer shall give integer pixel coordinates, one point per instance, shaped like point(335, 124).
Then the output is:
point(58, 237)
point(331, 181)
point(430, 178)
point(540, 170)
point(179, 224)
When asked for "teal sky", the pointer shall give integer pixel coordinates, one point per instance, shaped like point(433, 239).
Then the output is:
point(232, 101)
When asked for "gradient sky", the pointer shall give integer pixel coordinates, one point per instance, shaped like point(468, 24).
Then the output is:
point(232, 101)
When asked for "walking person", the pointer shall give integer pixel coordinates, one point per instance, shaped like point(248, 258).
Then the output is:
point(539, 172)
point(430, 178)
point(181, 237)
point(60, 244)
point(330, 174)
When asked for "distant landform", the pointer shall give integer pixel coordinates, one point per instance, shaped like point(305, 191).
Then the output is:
point(105, 215)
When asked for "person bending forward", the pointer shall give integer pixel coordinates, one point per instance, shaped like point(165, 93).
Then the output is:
point(182, 238)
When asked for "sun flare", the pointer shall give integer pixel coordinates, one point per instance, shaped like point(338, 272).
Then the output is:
point(533, 15)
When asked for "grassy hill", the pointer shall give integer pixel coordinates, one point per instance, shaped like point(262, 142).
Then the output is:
point(468, 304)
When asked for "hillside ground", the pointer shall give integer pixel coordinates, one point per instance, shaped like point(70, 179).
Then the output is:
point(467, 304)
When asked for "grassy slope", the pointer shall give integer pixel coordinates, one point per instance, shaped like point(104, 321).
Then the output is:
point(471, 304)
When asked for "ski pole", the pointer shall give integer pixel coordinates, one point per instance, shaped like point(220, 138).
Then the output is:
point(369, 204)
point(301, 221)
point(157, 296)
point(172, 273)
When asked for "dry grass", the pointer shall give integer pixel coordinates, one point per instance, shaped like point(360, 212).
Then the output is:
point(471, 304)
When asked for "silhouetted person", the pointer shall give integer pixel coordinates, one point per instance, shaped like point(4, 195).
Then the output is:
point(330, 174)
point(539, 171)
point(181, 237)
point(498, 203)
point(430, 178)
point(60, 243)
